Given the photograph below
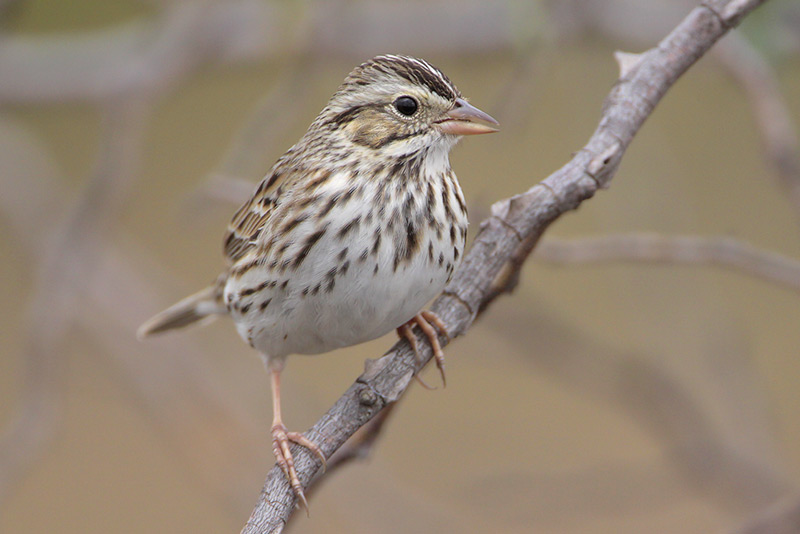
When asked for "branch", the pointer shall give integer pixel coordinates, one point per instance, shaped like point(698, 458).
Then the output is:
point(725, 252)
point(510, 233)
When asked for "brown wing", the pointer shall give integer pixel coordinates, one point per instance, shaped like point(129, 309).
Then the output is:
point(250, 219)
point(281, 186)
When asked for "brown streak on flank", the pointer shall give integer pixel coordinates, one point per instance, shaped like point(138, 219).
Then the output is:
point(347, 196)
point(412, 241)
point(239, 270)
point(264, 304)
point(309, 244)
point(320, 179)
point(310, 199)
point(352, 225)
point(292, 224)
point(376, 245)
point(249, 291)
point(329, 205)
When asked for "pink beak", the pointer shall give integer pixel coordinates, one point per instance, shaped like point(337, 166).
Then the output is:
point(465, 119)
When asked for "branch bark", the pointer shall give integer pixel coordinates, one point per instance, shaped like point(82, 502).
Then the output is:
point(507, 237)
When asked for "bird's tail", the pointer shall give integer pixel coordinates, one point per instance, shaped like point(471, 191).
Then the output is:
point(203, 304)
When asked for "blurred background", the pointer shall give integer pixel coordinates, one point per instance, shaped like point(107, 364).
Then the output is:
point(644, 378)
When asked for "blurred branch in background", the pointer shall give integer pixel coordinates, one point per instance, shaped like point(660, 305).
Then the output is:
point(139, 58)
point(68, 263)
point(636, 23)
point(725, 252)
point(713, 429)
point(758, 79)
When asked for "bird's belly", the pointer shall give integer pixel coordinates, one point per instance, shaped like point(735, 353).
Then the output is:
point(363, 305)
point(337, 299)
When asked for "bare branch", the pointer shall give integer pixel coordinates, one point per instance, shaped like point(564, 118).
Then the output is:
point(725, 252)
point(513, 230)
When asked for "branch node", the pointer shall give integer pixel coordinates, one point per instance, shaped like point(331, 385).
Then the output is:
point(507, 225)
point(553, 192)
point(602, 165)
point(367, 396)
point(455, 296)
point(627, 62)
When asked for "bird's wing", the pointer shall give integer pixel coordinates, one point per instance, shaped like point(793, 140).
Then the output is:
point(250, 225)
point(251, 218)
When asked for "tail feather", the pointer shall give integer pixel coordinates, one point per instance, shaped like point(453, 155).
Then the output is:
point(203, 304)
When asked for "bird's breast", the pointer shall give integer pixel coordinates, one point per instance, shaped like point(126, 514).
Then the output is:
point(359, 261)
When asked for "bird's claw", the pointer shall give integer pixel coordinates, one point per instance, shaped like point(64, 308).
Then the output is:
point(281, 440)
point(429, 323)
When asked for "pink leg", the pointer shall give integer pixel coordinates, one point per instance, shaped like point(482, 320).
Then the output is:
point(281, 439)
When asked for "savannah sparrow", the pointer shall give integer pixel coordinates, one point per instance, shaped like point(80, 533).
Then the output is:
point(352, 231)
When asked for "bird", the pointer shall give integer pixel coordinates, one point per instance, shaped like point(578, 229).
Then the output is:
point(351, 232)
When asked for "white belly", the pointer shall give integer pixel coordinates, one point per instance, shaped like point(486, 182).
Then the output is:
point(347, 290)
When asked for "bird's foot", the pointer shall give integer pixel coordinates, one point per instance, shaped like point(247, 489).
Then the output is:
point(281, 439)
point(429, 323)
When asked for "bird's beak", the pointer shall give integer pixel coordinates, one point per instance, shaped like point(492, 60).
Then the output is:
point(465, 119)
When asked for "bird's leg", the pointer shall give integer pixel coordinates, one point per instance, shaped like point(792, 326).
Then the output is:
point(281, 438)
point(427, 320)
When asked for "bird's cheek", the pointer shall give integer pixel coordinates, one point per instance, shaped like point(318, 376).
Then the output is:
point(370, 135)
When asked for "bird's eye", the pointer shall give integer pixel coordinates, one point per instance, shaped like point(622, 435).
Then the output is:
point(406, 105)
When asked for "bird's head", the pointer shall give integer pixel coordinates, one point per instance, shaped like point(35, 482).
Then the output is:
point(401, 105)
